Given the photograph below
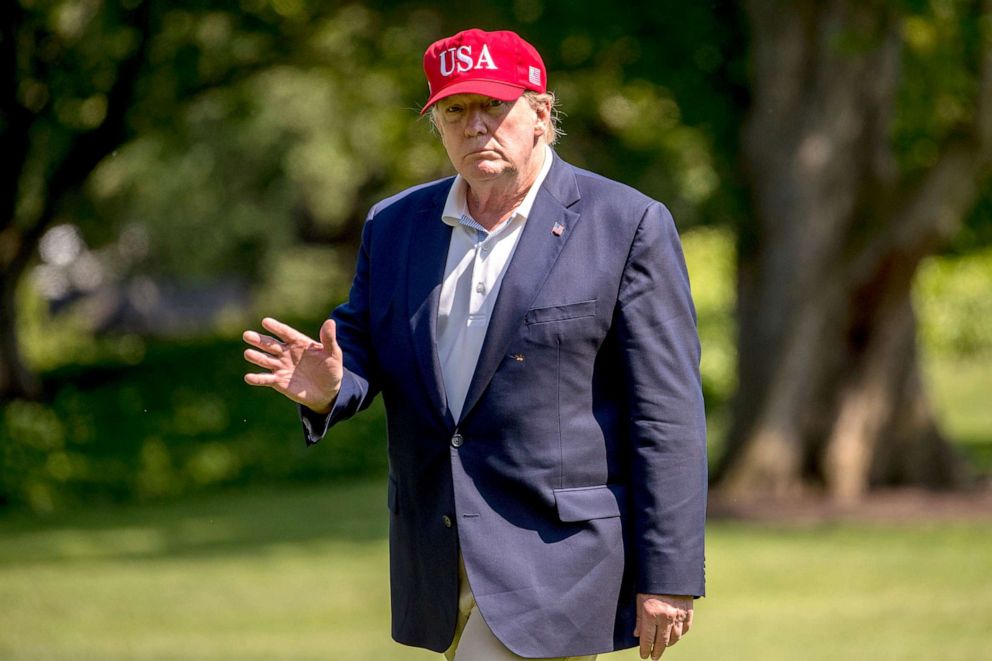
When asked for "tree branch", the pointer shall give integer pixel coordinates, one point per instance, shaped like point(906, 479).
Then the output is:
point(15, 120)
point(928, 210)
point(983, 112)
point(87, 149)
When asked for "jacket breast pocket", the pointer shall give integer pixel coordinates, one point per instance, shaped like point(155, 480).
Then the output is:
point(588, 503)
point(571, 327)
point(560, 312)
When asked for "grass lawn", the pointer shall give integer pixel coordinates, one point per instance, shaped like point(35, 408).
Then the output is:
point(300, 573)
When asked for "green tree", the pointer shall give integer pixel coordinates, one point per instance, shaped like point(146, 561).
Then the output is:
point(198, 124)
point(62, 110)
point(81, 79)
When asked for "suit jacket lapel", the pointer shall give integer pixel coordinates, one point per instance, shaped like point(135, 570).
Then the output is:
point(537, 250)
point(427, 253)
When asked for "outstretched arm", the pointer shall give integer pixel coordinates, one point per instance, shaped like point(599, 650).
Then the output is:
point(332, 379)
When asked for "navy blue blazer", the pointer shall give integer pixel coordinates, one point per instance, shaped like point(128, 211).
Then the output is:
point(576, 476)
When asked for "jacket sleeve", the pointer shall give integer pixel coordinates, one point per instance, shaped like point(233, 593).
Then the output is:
point(659, 344)
point(358, 385)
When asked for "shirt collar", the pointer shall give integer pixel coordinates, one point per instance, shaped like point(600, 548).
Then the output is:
point(456, 207)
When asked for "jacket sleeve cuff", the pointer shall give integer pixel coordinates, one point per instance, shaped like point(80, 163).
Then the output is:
point(316, 425)
point(685, 583)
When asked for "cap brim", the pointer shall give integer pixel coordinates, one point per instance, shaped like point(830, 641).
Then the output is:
point(490, 88)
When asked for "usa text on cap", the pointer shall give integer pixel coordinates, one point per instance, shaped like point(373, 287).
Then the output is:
point(497, 64)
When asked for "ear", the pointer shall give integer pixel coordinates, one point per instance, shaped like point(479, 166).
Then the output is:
point(543, 113)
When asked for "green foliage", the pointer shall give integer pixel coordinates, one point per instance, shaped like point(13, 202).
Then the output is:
point(35, 461)
point(710, 258)
point(304, 280)
point(959, 387)
point(50, 341)
point(937, 95)
point(654, 97)
point(260, 125)
point(298, 146)
point(954, 304)
point(180, 421)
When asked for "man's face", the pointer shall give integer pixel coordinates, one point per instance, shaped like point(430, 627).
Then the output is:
point(487, 138)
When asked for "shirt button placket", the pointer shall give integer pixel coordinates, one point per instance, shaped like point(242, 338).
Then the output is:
point(478, 274)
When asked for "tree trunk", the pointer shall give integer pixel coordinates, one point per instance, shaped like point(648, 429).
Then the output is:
point(15, 380)
point(830, 394)
point(883, 431)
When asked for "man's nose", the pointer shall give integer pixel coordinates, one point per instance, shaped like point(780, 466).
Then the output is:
point(475, 123)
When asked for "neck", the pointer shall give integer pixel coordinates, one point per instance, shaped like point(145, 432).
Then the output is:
point(492, 201)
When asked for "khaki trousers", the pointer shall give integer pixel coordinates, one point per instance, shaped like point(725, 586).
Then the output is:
point(474, 640)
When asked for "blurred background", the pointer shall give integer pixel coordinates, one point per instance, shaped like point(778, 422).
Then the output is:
point(174, 171)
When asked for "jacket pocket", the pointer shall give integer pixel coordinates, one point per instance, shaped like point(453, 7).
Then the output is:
point(560, 312)
point(392, 498)
point(587, 503)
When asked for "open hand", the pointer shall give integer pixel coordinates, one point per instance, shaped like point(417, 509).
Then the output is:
point(304, 370)
point(662, 620)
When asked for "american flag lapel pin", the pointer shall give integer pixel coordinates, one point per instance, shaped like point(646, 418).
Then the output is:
point(557, 229)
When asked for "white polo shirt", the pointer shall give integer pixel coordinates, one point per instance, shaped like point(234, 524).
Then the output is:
point(477, 260)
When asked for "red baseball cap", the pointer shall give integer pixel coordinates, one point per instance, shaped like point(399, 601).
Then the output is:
point(497, 64)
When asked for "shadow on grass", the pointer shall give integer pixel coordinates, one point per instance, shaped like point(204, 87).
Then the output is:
point(255, 522)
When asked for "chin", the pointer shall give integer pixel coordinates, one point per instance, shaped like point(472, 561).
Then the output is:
point(489, 169)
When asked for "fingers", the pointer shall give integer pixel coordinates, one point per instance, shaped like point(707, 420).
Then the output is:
point(261, 379)
point(263, 342)
point(328, 336)
point(261, 359)
point(655, 639)
point(282, 331)
point(662, 621)
point(646, 634)
point(272, 348)
point(661, 636)
point(678, 626)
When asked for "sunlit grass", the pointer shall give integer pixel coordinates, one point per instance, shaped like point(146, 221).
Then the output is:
point(300, 573)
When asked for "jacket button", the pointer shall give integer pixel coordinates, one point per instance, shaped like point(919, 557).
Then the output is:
point(457, 440)
point(446, 520)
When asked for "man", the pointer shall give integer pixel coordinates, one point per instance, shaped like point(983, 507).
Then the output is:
point(530, 327)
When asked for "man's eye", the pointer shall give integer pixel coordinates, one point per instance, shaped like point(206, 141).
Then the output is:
point(495, 103)
point(453, 109)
